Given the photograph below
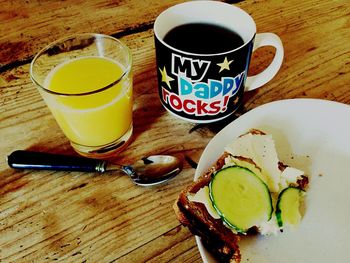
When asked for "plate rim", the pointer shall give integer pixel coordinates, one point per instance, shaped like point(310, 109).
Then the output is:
point(202, 168)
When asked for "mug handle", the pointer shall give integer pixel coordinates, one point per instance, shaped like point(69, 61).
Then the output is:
point(266, 39)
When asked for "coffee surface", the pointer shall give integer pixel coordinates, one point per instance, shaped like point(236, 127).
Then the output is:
point(202, 38)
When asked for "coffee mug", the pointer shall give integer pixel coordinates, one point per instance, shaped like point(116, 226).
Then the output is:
point(203, 51)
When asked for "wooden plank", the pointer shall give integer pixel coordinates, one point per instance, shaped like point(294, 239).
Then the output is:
point(177, 245)
point(82, 216)
point(28, 26)
point(79, 217)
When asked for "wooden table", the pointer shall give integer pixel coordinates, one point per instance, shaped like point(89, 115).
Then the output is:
point(78, 217)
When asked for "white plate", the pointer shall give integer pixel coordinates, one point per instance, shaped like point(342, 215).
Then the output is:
point(312, 135)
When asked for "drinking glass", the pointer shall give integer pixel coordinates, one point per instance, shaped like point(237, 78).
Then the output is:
point(86, 81)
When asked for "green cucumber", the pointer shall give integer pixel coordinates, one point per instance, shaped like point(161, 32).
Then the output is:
point(288, 206)
point(250, 166)
point(240, 197)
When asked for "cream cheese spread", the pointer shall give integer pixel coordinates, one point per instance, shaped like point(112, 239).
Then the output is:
point(260, 149)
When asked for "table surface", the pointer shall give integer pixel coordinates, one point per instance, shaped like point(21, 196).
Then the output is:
point(80, 217)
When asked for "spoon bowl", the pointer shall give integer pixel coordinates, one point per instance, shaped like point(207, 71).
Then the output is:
point(154, 169)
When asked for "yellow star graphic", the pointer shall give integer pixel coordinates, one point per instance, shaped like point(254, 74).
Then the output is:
point(165, 77)
point(224, 65)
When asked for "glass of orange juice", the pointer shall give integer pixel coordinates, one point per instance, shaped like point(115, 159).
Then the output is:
point(86, 81)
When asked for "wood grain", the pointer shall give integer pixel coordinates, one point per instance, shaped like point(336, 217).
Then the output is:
point(76, 217)
point(28, 26)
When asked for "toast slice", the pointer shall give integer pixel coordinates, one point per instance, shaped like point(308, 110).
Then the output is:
point(218, 239)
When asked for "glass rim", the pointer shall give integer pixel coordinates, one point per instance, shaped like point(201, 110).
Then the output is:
point(42, 51)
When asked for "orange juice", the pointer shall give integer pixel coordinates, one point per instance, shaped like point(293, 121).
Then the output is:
point(96, 108)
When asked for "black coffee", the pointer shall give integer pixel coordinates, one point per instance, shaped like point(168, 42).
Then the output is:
point(203, 38)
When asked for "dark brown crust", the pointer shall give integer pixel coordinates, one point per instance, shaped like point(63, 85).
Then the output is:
point(303, 182)
point(255, 132)
point(216, 237)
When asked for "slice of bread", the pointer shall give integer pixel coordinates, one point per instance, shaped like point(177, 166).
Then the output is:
point(216, 237)
point(220, 240)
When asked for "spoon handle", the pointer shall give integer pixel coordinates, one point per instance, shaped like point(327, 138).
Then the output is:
point(47, 161)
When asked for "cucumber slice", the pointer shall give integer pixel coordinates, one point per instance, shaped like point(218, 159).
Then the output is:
point(288, 206)
point(250, 166)
point(240, 197)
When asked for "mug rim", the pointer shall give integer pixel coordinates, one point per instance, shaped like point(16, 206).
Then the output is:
point(200, 2)
point(42, 51)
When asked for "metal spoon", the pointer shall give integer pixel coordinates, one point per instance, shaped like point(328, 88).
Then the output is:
point(148, 171)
